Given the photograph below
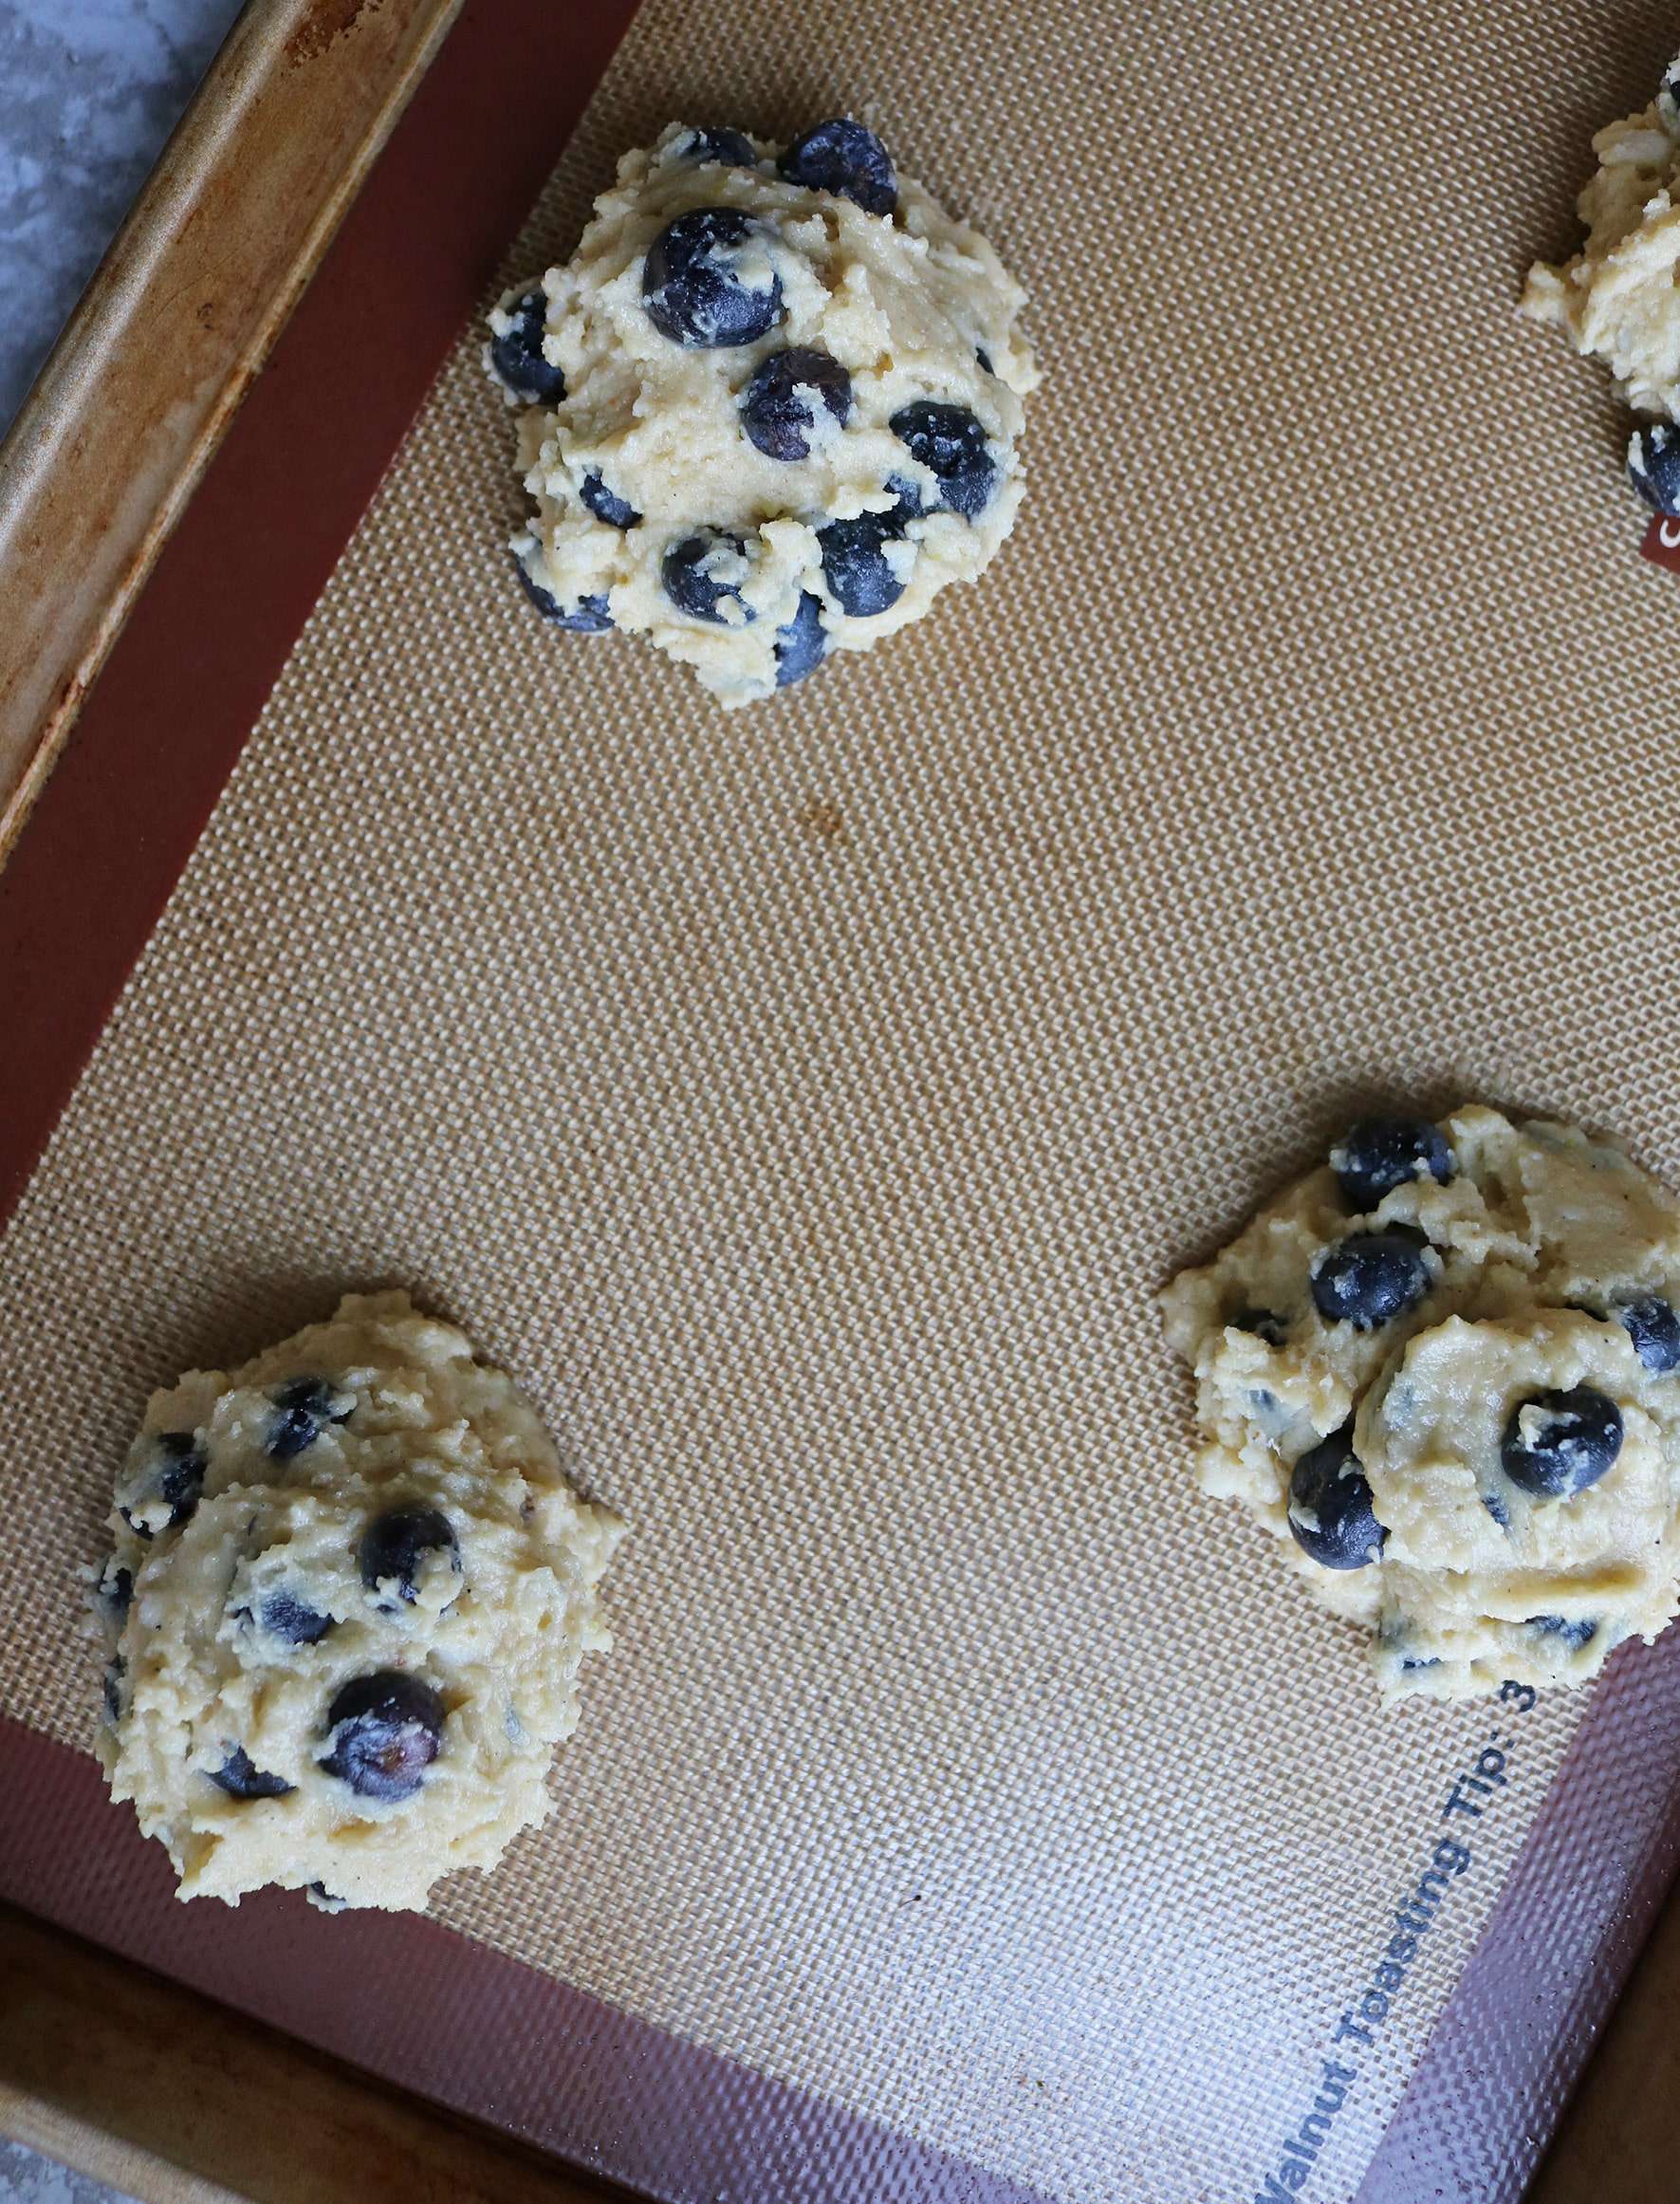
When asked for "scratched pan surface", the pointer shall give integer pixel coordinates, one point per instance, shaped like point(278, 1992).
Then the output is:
point(806, 1103)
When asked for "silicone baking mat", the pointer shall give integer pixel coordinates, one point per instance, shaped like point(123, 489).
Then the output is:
point(806, 1104)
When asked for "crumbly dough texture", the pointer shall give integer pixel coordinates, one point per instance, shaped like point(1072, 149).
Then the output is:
point(192, 1674)
point(1618, 298)
point(1537, 1218)
point(904, 301)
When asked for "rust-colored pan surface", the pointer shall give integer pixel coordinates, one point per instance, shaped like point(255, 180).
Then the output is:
point(175, 323)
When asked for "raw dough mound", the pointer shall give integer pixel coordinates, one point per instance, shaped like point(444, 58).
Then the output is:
point(1444, 1370)
point(1616, 298)
point(771, 405)
point(349, 1601)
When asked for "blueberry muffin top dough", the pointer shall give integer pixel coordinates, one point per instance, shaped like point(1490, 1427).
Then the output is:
point(1444, 1370)
point(1616, 298)
point(769, 408)
point(347, 1603)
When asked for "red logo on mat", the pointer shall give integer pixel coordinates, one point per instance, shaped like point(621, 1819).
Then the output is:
point(1662, 541)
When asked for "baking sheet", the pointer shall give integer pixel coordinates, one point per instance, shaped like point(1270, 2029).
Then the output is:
point(806, 1103)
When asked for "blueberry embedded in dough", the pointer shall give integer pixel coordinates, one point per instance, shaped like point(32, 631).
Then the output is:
point(1557, 1443)
point(617, 512)
point(1377, 1154)
point(1332, 1516)
point(1370, 1278)
point(404, 1547)
point(115, 1591)
point(950, 442)
point(863, 581)
point(843, 157)
point(1574, 1633)
point(240, 1777)
point(160, 1487)
point(801, 643)
point(1264, 1324)
point(302, 1409)
point(1654, 465)
point(116, 1669)
point(710, 280)
point(704, 575)
point(1651, 1324)
point(725, 148)
point(383, 1732)
point(517, 359)
point(588, 615)
point(780, 405)
point(291, 1619)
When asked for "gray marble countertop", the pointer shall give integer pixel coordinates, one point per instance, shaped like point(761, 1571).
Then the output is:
point(89, 90)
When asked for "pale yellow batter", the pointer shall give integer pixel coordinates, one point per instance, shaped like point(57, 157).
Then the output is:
point(763, 423)
point(347, 1603)
point(1617, 299)
point(1444, 1371)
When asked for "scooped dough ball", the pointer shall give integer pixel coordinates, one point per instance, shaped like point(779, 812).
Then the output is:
point(1444, 1371)
point(1617, 299)
point(770, 407)
point(345, 1610)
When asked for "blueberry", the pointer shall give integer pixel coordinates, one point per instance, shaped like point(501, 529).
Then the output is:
point(302, 1409)
point(1413, 1663)
point(600, 501)
point(1265, 1323)
point(241, 1778)
point(1575, 1635)
point(910, 504)
point(1329, 1484)
point(985, 359)
point(778, 407)
point(116, 1669)
point(589, 616)
point(696, 289)
point(729, 148)
point(843, 157)
point(951, 441)
point(1650, 1323)
point(1376, 1155)
point(283, 1614)
point(323, 1898)
point(1369, 1278)
point(383, 1732)
point(171, 1476)
point(1497, 1508)
point(1557, 1444)
point(117, 1590)
point(394, 1544)
point(1654, 465)
point(693, 584)
point(803, 645)
point(517, 355)
point(855, 564)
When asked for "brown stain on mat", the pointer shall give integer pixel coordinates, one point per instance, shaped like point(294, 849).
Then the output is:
point(823, 822)
point(331, 19)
